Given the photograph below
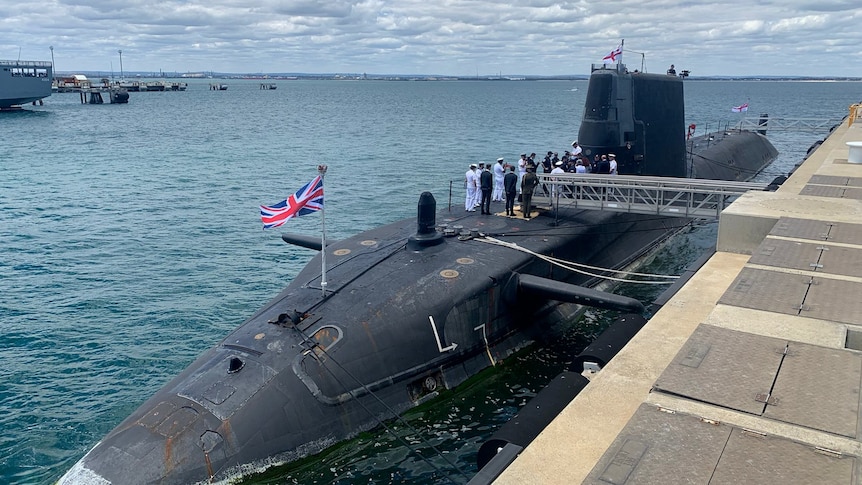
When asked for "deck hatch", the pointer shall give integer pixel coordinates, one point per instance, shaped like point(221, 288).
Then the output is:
point(158, 414)
point(767, 290)
point(834, 300)
point(846, 233)
point(624, 462)
point(813, 256)
point(831, 191)
point(791, 294)
point(673, 446)
point(736, 368)
point(222, 393)
point(822, 191)
point(752, 458)
point(682, 448)
point(841, 261)
point(829, 400)
point(829, 180)
point(177, 422)
point(835, 180)
point(804, 229)
point(769, 377)
point(787, 254)
point(218, 392)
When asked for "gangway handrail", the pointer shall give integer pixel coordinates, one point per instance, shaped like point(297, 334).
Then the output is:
point(681, 197)
point(675, 183)
point(855, 110)
point(771, 123)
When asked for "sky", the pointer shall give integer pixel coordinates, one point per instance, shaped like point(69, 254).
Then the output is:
point(437, 37)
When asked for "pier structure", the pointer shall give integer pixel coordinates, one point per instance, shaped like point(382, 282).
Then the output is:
point(149, 86)
point(752, 372)
point(93, 95)
point(78, 84)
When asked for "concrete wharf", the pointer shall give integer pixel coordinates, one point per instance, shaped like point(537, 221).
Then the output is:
point(752, 372)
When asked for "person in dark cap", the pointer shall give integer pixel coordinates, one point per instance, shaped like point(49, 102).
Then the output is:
point(486, 184)
point(547, 164)
point(510, 184)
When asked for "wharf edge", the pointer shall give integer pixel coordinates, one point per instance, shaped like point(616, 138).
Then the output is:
point(752, 372)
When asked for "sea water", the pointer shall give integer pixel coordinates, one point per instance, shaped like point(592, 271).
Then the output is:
point(130, 240)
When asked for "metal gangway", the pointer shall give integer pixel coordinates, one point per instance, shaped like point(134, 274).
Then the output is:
point(666, 196)
point(818, 125)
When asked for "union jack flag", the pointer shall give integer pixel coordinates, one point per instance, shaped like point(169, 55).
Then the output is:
point(306, 200)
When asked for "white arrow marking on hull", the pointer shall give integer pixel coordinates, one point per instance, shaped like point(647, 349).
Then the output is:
point(437, 337)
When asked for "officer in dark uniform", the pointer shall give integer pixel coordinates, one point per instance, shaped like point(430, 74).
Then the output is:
point(510, 184)
point(528, 183)
point(486, 183)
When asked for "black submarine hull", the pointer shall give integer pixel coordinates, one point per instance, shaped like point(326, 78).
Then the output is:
point(306, 371)
point(405, 314)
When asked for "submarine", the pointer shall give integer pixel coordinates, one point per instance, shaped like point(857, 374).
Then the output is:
point(409, 308)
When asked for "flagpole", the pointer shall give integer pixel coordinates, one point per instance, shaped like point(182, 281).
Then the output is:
point(622, 49)
point(321, 169)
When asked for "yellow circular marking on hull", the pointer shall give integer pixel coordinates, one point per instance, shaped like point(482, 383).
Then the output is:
point(341, 252)
point(465, 261)
point(368, 242)
point(259, 336)
point(449, 273)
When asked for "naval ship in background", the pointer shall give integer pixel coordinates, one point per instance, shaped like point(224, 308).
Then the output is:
point(23, 82)
point(412, 307)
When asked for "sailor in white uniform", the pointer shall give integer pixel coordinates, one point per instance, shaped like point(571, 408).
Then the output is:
point(497, 196)
point(613, 163)
point(471, 182)
point(477, 198)
point(555, 189)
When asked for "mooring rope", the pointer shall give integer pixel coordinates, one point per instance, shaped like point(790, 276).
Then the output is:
point(576, 267)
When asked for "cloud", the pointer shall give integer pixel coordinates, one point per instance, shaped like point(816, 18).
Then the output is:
point(451, 37)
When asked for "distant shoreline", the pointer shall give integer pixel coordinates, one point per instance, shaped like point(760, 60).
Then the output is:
point(422, 77)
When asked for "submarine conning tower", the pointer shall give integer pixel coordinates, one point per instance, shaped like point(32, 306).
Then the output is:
point(639, 117)
point(426, 224)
